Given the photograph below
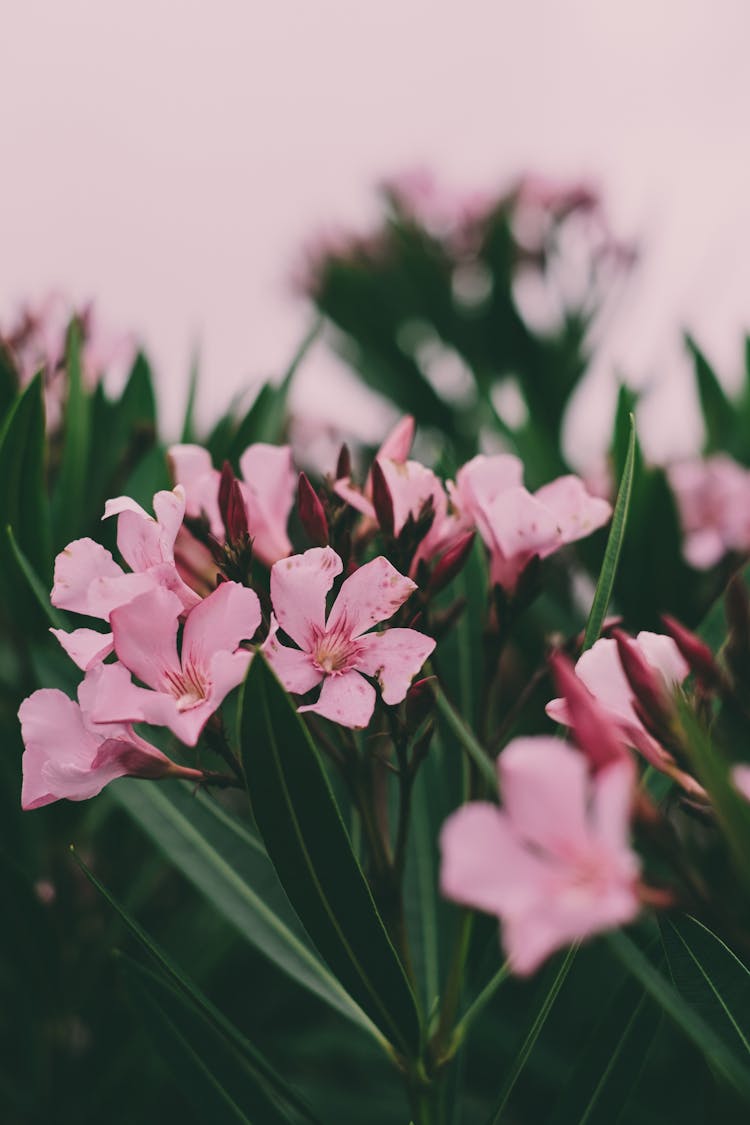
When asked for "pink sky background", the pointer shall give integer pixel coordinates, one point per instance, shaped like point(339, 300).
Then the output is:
point(169, 159)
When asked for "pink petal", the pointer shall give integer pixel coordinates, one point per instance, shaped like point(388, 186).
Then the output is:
point(80, 564)
point(85, 647)
point(484, 864)
point(270, 485)
point(119, 701)
point(294, 668)
point(393, 658)
point(229, 615)
point(612, 806)
point(602, 673)
point(370, 595)
point(145, 632)
point(227, 671)
point(521, 525)
point(576, 512)
point(558, 711)
point(142, 540)
point(663, 654)
point(353, 496)
point(399, 441)
point(741, 779)
point(347, 699)
point(544, 787)
point(193, 469)
point(299, 586)
point(479, 482)
point(411, 485)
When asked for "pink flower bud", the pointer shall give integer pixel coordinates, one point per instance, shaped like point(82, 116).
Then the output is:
point(382, 499)
point(595, 731)
point(311, 514)
point(697, 654)
point(652, 701)
point(450, 563)
point(419, 701)
point(344, 463)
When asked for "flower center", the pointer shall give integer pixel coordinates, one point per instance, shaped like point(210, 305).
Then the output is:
point(334, 653)
point(188, 687)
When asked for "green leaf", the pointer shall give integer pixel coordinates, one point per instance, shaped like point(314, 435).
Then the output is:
point(614, 546)
point(466, 737)
point(227, 863)
point(35, 584)
point(724, 1061)
point(711, 978)
point(23, 500)
point(70, 499)
point(188, 424)
point(221, 1026)
point(718, 412)
point(8, 380)
point(712, 770)
point(539, 1019)
point(607, 1069)
point(309, 846)
point(220, 1085)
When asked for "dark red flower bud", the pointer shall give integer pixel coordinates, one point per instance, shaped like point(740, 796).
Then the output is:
point(382, 499)
point(311, 514)
point(420, 701)
point(594, 730)
point(450, 563)
point(344, 463)
point(232, 505)
point(696, 652)
point(652, 700)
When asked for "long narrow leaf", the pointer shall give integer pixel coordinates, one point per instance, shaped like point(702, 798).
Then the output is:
point(69, 501)
point(614, 546)
point(309, 846)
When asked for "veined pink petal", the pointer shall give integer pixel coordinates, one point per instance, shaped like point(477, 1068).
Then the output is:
point(270, 485)
point(544, 786)
point(85, 647)
point(483, 863)
point(294, 668)
point(371, 595)
point(119, 701)
point(79, 565)
point(393, 658)
point(299, 586)
point(347, 699)
point(145, 632)
point(229, 615)
point(576, 512)
point(145, 541)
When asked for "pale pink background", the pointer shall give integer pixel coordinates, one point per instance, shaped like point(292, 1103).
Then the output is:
point(169, 158)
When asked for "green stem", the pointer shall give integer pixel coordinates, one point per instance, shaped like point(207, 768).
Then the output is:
point(478, 1005)
point(454, 985)
point(466, 737)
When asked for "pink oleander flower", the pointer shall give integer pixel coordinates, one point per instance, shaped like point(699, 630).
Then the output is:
point(601, 671)
point(335, 649)
point(90, 582)
point(268, 486)
point(183, 690)
point(68, 756)
point(516, 525)
point(554, 864)
point(395, 448)
point(713, 501)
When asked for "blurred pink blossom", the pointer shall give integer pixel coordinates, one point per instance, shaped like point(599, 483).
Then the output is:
point(713, 500)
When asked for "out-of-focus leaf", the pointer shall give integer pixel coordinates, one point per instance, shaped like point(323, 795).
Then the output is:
point(716, 1052)
point(188, 423)
point(69, 502)
point(608, 571)
point(219, 1084)
point(718, 412)
point(222, 1028)
point(227, 863)
point(37, 587)
point(711, 978)
point(608, 1066)
point(309, 846)
point(8, 381)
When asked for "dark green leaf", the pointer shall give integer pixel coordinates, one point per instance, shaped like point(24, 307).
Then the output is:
point(188, 424)
point(614, 546)
point(724, 1061)
point(70, 500)
point(309, 846)
point(35, 584)
point(225, 860)
point(718, 412)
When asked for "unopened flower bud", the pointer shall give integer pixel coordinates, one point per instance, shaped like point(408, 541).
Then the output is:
point(344, 463)
point(697, 654)
point(595, 732)
point(232, 505)
point(311, 513)
point(382, 499)
point(651, 701)
point(450, 563)
point(420, 702)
